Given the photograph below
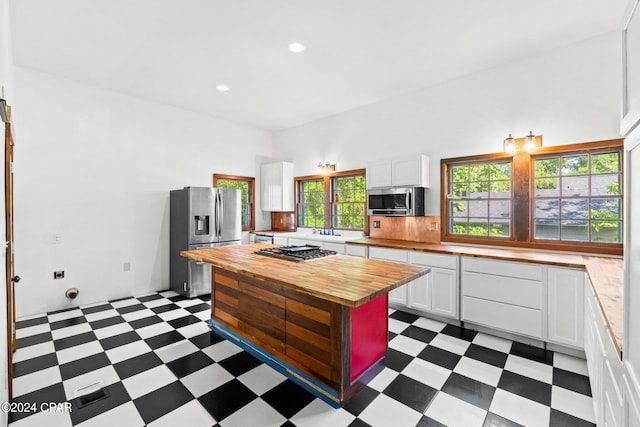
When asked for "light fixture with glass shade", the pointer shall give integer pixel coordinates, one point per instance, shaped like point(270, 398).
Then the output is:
point(529, 143)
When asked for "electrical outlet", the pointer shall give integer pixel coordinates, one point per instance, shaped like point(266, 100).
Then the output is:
point(126, 266)
point(434, 226)
point(376, 224)
point(58, 274)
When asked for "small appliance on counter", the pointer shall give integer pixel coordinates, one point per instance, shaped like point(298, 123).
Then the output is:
point(200, 217)
point(296, 253)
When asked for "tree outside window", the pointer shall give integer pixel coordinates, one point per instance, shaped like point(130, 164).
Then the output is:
point(246, 185)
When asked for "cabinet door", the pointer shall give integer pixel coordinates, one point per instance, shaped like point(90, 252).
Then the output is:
point(330, 246)
point(267, 177)
point(379, 174)
point(565, 302)
point(397, 296)
point(357, 250)
point(410, 171)
point(419, 296)
point(444, 292)
point(280, 240)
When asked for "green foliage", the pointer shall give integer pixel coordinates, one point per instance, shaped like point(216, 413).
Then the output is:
point(243, 186)
point(348, 203)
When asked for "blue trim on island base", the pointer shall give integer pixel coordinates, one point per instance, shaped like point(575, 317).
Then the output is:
point(303, 380)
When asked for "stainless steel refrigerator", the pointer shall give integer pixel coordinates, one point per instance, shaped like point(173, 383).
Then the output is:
point(200, 217)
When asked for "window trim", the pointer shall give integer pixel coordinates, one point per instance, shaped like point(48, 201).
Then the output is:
point(327, 179)
point(522, 176)
point(252, 194)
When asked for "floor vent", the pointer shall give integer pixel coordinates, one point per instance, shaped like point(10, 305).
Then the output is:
point(90, 394)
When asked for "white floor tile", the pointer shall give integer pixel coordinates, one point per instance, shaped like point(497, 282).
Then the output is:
point(430, 324)
point(32, 330)
point(494, 343)
point(203, 315)
point(396, 326)
point(49, 419)
point(123, 415)
point(570, 363)
point(189, 302)
point(407, 345)
point(138, 314)
point(31, 316)
point(176, 350)
point(32, 351)
point(35, 381)
point(320, 414)
point(156, 303)
point(106, 375)
point(261, 379)
point(153, 330)
point(169, 293)
point(427, 373)
point(71, 330)
point(519, 409)
point(124, 303)
point(148, 381)
point(452, 344)
point(479, 371)
point(190, 414)
point(383, 379)
point(452, 411)
point(572, 403)
point(64, 315)
point(127, 351)
point(104, 314)
point(78, 352)
point(174, 314)
point(194, 329)
point(221, 350)
point(256, 413)
point(111, 331)
point(206, 379)
point(529, 368)
point(385, 411)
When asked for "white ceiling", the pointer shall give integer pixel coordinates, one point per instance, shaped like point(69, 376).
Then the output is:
point(357, 51)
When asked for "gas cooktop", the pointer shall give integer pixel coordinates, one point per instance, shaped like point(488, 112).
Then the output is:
point(296, 253)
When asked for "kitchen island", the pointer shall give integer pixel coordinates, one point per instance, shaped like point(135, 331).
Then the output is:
point(322, 322)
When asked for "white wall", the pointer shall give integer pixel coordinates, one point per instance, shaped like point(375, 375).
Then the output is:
point(95, 168)
point(569, 95)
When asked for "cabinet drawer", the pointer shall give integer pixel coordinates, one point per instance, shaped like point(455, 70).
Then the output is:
point(338, 247)
point(434, 260)
point(508, 290)
point(356, 250)
point(503, 268)
point(520, 320)
point(388, 254)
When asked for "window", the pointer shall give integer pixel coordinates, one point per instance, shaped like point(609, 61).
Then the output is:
point(558, 198)
point(247, 187)
point(336, 200)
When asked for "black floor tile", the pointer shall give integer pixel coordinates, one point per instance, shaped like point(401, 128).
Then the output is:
point(177, 298)
point(469, 390)
point(165, 308)
point(103, 323)
point(64, 310)
point(440, 357)
point(391, 336)
point(204, 297)
point(116, 395)
point(189, 364)
point(51, 394)
point(163, 339)
point(239, 363)
point(458, 332)
point(67, 322)
point(361, 400)
point(396, 360)
point(559, 418)
point(526, 387)
point(162, 401)
point(84, 365)
point(532, 353)
point(226, 399)
point(410, 392)
point(493, 420)
point(31, 322)
point(96, 309)
point(288, 398)
point(131, 308)
point(35, 364)
point(205, 340)
point(429, 422)
point(419, 334)
point(33, 340)
point(198, 308)
point(122, 299)
point(135, 365)
point(151, 297)
point(404, 317)
point(74, 340)
point(358, 423)
point(183, 321)
point(145, 321)
point(487, 355)
point(119, 340)
point(572, 381)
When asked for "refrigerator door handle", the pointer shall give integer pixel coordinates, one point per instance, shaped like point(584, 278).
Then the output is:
point(217, 217)
point(221, 213)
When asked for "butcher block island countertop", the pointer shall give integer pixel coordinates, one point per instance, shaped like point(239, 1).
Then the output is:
point(346, 280)
point(323, 323)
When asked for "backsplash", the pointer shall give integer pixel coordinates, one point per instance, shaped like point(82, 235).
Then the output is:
point(283, 221)
point(415, 229)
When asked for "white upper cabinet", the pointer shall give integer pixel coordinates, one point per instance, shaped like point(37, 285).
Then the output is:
point(276, 183)
point(408, 171)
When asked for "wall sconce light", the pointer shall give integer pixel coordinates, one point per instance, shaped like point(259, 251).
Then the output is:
point(528, 143)
point(326, 167)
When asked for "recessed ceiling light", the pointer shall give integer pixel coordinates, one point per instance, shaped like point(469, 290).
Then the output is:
point(222, 88)
point(296, 47)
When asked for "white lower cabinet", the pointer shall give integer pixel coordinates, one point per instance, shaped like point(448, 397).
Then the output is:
point(437, 291)
point(565, 306)
point(280, 240)
point(397, 296)
point(357, 250)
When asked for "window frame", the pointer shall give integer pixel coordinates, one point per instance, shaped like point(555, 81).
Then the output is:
point(251, 195)
point(328, 193)
point(522, 187)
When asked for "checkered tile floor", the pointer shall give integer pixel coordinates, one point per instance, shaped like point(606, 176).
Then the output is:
point(161, 366)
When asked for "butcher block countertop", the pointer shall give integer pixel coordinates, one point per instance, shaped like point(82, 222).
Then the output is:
point(346, 280)
point(605, 273)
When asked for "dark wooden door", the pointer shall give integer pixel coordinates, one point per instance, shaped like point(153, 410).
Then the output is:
point(11, 278)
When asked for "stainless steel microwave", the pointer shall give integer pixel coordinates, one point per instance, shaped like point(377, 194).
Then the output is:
point(396, 201)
